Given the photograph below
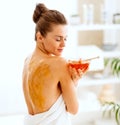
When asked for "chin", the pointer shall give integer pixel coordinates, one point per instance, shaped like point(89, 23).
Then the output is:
point(58, 54)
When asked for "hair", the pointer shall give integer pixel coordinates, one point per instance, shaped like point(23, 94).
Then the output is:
point(45, 18)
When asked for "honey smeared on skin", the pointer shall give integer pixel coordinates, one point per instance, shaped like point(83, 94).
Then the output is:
point(36, 87)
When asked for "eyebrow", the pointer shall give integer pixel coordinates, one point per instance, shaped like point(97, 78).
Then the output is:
point(60, 36)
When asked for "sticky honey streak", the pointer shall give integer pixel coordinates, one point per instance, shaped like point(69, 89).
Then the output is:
point(36, 86)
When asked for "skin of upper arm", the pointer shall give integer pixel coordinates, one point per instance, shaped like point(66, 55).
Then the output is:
point(68, 89)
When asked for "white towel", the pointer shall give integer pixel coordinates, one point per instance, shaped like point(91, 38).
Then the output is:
point(56, 115)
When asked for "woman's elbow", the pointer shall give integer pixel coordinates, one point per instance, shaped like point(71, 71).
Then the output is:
point(74, 110)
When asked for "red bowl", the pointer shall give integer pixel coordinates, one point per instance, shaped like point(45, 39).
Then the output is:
point(82, 66)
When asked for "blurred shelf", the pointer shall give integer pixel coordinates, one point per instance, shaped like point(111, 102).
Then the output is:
point(83, 27)
point(111, 54)
point(87, 81)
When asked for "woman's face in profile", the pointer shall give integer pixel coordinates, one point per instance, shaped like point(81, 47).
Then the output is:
point(55, 40)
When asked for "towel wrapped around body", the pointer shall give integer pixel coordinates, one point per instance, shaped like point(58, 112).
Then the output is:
point(56, 115)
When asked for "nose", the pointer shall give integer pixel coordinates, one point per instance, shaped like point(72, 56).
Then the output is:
point(62, 43)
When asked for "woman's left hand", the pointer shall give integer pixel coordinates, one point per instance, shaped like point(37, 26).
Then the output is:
point(76, 73)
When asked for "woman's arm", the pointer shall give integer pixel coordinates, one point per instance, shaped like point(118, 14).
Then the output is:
point(68, 88)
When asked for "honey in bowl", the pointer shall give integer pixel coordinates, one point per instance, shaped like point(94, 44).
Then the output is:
point(79, 65)
point(82, 64)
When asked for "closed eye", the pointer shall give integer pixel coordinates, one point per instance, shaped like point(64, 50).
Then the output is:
point(60, 38)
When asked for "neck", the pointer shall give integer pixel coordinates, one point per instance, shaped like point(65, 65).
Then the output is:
point(41, 49)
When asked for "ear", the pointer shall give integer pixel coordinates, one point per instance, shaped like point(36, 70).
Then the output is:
point(39, 37)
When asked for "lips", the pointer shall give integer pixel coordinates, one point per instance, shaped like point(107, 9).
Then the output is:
point(60, 50)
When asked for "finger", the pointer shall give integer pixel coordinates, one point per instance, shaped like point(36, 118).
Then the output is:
point(69, 61)
point(80, 72)
point(80, 60)
point(75, 74)
point(85, 69)
point(72, 71)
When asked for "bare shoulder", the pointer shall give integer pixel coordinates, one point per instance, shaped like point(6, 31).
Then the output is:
point(56, 62)
point(27, 59)
point(55, 65)
point(46, 67)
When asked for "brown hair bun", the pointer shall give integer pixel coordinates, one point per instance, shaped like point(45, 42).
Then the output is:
point(39, 10)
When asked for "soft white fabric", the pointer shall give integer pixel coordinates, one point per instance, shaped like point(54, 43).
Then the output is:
point(56, 115)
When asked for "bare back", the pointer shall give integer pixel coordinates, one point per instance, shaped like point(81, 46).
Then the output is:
point(41, 83)
point(44, 79)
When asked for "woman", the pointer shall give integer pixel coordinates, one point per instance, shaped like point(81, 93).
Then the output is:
point(49, 85)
